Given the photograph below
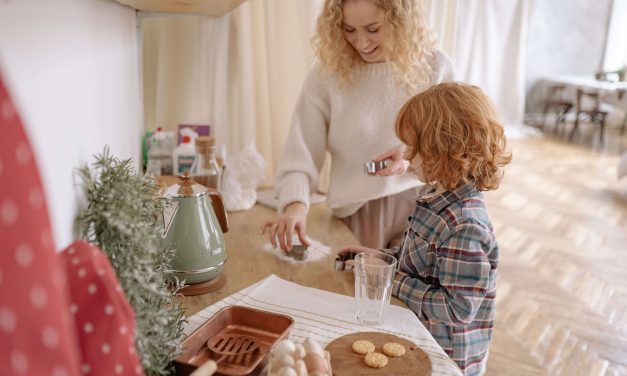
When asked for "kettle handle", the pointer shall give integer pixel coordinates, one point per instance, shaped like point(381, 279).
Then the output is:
point(218, 206)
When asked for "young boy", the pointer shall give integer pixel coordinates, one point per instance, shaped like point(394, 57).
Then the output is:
point(448, 256)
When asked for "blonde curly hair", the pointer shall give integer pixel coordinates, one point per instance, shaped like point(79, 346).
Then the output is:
point(408, 43)
point(456, 130)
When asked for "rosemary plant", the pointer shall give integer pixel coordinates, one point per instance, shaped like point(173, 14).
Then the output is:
point(120, 218)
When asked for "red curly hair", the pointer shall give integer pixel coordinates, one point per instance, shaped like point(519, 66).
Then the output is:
point(456, 130)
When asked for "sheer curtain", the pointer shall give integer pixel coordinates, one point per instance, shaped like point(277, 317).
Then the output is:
point(486, 40)
point(616, 46)
point(242, 72)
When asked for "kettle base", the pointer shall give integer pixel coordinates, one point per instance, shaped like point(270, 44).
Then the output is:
point(204, 287)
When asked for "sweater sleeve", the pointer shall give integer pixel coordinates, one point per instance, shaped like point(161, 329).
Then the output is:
point(298, 171)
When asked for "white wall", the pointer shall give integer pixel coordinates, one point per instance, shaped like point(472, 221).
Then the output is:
point(72, 69)
point(565, 37)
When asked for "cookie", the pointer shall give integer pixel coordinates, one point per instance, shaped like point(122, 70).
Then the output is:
point(375, 360)
point(393, 349)
point(363, 347)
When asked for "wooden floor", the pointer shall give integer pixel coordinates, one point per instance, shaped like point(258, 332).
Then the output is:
point(561, 220)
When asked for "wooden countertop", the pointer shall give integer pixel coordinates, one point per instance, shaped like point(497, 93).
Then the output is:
point(247, 263)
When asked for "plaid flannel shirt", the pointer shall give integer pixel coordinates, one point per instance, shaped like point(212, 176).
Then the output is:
point(447, 273)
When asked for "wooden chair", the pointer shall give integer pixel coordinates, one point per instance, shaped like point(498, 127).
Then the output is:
point(556, 103)
point(588, 107)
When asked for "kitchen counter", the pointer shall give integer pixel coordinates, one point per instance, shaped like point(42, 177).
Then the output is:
point(247, 263)
point(331, 316)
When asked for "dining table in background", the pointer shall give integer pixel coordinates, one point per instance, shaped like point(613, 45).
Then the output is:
point(613, 93)
point(588, 82)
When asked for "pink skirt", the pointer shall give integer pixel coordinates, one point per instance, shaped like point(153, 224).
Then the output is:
point(380, 222)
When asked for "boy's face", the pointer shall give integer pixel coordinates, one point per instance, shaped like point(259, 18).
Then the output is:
point(415, 166)
point(363, 27)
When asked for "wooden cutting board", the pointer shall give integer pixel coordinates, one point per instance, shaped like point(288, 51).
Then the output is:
point(345, 362)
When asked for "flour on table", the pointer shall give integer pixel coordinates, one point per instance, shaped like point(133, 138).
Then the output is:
point(316, 251)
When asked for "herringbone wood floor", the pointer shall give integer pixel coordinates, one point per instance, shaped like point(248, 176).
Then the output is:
point(561, 221)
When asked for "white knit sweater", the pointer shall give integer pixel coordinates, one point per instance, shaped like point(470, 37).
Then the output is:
point(355, 124)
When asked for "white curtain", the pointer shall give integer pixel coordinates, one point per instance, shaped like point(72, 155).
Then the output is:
point(486, 40)
point(616, 46)
point(242, 72)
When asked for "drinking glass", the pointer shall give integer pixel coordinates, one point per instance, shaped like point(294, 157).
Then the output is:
point(374, 273)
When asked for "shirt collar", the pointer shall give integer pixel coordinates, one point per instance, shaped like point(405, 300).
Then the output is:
point(438, 198)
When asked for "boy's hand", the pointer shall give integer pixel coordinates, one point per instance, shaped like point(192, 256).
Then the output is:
point(354, 249)
point(396, 164)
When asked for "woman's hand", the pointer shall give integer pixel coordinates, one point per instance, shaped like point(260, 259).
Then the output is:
point(396, 164)
point(293, 218)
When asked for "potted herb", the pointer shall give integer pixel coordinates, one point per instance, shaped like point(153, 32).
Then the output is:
point(120, 218)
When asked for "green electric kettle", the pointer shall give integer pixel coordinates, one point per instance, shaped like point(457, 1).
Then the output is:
point(194, 221)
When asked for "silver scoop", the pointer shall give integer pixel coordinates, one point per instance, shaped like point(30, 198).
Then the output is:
point(374, 166)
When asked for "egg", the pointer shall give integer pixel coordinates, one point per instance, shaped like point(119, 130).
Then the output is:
point(312, 347)
point(282, 361)
point(286, 371)
point(301, 368)
point(284, 347)
point(299, 351)
point(315, 363)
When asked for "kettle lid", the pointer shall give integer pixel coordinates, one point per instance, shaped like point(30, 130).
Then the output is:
point(186, 187)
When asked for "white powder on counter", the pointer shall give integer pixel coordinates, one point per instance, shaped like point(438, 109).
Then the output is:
point(315, 252)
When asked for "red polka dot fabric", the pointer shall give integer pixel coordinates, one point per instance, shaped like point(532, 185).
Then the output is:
point(61, 314)
point(103, 318)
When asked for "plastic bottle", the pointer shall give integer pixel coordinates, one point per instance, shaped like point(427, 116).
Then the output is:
point(145, 147)
point(183, 156)
point(205, 169)
point(160, 152)
point(188, 132)
point(170, 142)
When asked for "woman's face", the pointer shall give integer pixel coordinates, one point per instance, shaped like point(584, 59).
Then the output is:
point(363, 27)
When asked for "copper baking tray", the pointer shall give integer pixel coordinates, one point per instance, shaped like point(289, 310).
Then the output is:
point(257, 328)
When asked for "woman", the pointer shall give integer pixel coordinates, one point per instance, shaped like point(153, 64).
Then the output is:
point(373, 56)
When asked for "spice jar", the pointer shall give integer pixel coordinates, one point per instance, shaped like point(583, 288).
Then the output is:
point(205, 169)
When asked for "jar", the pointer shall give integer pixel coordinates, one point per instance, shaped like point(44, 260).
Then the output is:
point(205, 169)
